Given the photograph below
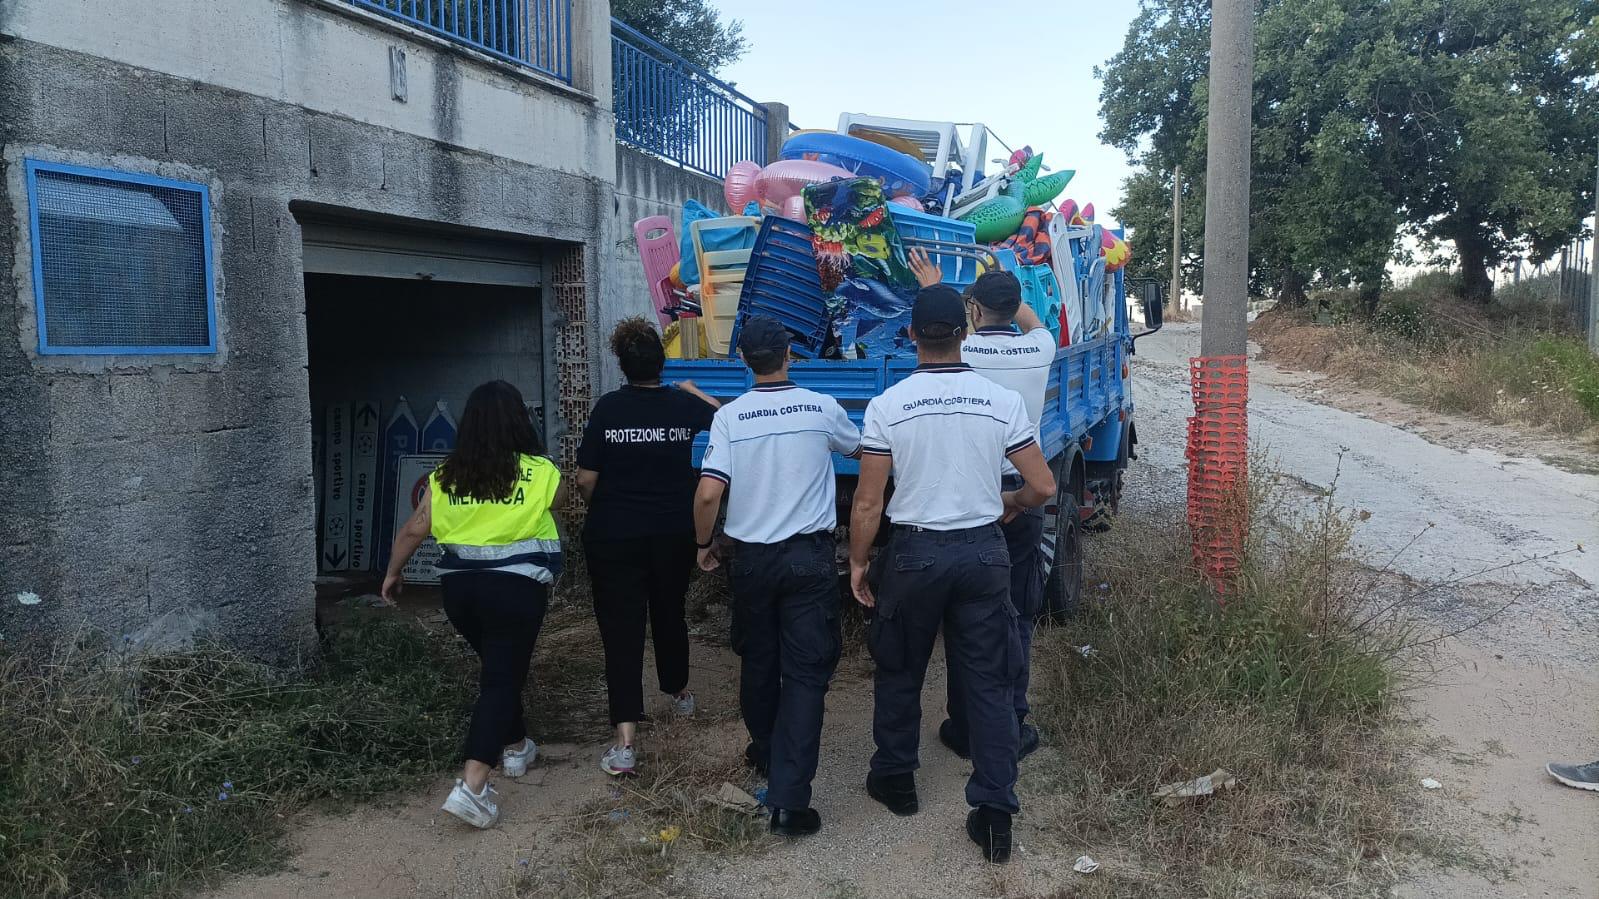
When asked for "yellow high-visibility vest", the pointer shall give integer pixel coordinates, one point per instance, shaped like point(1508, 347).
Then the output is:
point(522, 518)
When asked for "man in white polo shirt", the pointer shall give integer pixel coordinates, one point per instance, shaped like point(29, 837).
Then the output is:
point(1011, 347)
point(944, 432)
point(771, 451)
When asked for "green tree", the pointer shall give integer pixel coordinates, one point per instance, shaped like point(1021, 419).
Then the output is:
point(692, 29)
point(1365, 124)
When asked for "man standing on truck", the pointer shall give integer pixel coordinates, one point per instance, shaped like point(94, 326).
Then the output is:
point(944, 432)
point(771, 451)
point(1010, 346)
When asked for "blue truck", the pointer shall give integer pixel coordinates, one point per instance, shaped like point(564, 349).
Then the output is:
point(1088, 427)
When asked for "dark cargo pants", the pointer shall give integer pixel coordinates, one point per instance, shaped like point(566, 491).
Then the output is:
point(786, 632)
point(959, 580)
point(1024, 536)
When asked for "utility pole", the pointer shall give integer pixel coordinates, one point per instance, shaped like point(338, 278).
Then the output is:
point(1177, 239)
point(1226, 288)
point(1218, 436)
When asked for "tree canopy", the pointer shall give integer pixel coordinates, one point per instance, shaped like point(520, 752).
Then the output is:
point(1472, 121)
point(691, 28)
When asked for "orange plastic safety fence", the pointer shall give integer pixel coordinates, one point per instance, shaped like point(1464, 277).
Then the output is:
point(1218, 465)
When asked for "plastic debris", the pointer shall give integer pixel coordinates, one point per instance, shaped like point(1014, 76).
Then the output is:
point(28, 598)
point(1085, 865)
point(1087, 651)
point(1428, 783)
point(1218, 781)
point(617, 816)
point(734, 800)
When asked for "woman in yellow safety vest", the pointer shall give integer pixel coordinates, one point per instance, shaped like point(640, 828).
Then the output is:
point(489, 507)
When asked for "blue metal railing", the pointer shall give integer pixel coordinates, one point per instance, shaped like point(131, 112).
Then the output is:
point(667, 106)
point(533, 34)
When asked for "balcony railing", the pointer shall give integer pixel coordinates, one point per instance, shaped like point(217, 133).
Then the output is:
point(532, 34)
point(667, 106)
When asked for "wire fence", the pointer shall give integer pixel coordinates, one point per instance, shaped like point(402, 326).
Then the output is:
point(1559, 290)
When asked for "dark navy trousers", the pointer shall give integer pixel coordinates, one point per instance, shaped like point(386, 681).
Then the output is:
point(786, 633)
point(1024, 535)
point(960, 581)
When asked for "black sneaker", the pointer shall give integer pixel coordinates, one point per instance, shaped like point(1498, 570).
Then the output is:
point(990, 829)
point(895, 791)
point(953, 740)
point(1029, 741)
point(795, 822)
point(1581, 777)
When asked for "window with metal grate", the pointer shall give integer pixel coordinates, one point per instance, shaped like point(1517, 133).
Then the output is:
point(121, 262)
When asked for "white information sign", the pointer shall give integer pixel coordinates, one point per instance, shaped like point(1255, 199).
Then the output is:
point(412, 485)
point(363, 485)
point(336, 492)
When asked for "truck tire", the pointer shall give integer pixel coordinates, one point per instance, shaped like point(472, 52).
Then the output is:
point(1063, 538)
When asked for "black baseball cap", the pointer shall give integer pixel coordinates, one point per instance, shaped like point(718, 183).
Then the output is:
point(997, 290)
point(762, 334)
point(939, 312)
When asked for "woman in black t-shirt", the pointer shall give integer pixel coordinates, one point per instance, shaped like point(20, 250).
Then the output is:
point(635, 468)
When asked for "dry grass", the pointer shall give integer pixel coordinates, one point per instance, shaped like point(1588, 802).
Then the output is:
point(149, 777)
point(1450, 358)
point(1291, 685)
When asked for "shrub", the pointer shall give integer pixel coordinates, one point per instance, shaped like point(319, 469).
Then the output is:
point(1286, 684)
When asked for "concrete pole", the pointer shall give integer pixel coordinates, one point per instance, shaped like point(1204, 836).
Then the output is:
point(776, 131)
point(1232, 70)
point(1177, 238)
point(1593, 272)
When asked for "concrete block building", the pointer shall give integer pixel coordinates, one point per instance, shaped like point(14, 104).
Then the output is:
point(216, 217)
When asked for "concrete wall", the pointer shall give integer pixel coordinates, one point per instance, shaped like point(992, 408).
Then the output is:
point(333, 57)
point(645, 186)
point(154, 499)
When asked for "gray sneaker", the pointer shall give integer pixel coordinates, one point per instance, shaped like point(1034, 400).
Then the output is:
point(684, 705)
point(515, 762)
point(480, 810)
point(618, 761)
point(1582, 777)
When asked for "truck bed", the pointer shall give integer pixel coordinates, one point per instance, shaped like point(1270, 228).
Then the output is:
point(1087, 392)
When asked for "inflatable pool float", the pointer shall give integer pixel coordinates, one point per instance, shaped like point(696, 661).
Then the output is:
point(787, 178)
point(901, 175)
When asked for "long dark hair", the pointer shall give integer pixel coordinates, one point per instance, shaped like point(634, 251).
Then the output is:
point(495, 432)
point(638, 348)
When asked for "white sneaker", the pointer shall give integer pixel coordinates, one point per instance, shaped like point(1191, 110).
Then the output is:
point(515, 762)
point(618, 760)
point(480, 810)
point(684, 705)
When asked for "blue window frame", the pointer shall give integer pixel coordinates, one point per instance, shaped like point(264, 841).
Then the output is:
point(122, 262)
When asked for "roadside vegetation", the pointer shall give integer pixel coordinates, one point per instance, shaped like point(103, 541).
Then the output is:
point(1516, 361)
point(1290, 682)
point(150, 777)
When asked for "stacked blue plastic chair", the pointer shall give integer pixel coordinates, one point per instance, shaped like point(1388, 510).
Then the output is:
point(782, 282)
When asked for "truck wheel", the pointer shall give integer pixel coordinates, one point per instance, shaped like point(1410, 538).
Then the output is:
point(1063, 538)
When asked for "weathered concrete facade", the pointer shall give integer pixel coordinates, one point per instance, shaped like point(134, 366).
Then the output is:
point(160, 498)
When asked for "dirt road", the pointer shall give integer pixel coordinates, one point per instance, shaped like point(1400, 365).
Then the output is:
point(1503, 698)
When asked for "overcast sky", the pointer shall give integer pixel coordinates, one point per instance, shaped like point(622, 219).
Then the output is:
point(1025, 70)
